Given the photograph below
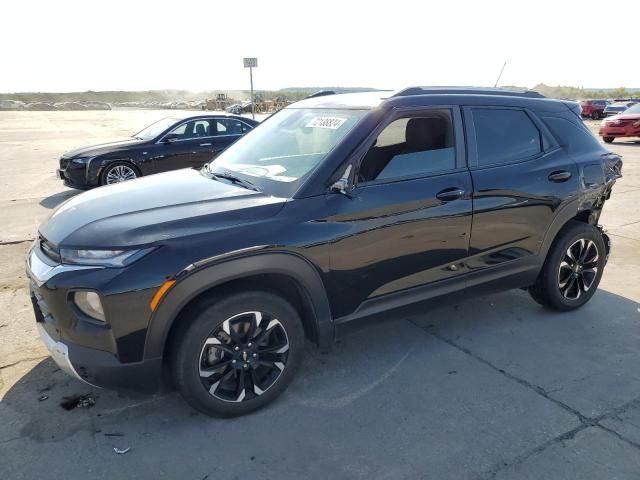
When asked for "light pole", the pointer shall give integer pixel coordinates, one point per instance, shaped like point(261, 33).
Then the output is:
point(250, 62)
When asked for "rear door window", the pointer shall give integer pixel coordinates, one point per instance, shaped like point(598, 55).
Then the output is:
point(192, 129)
point(230, 126)
point(504, 136)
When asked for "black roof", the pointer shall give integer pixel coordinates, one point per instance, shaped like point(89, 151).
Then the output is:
point(372, 99)
point(409, 91)
point(187, 115)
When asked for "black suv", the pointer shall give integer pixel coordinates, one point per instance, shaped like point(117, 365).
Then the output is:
point(333, 209)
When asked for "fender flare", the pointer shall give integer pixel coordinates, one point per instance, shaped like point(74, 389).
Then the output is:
point(214, 273)
point(566, 213)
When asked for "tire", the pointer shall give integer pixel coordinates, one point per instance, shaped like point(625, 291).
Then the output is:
point(219, 371)
point(595, 115)
point(608, 139)
point(568, 279)
point(118, 169)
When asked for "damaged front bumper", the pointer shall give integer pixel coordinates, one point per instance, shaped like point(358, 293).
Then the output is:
point(84, 349)
point(59, 353)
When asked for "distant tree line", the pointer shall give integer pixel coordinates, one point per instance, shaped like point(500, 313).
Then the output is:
point(575, 93)
point(295, 94)
point(147, 96)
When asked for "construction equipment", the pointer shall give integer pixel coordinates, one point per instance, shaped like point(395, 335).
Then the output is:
point(221, 102)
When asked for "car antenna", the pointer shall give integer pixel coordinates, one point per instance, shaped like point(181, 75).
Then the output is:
point(500, 74)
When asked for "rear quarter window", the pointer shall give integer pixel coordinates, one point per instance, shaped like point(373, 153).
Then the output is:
point(572, 137)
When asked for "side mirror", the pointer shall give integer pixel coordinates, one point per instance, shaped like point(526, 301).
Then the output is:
point(170, 138)
point(342, 184)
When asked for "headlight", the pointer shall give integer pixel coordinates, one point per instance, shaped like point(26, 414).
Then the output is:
point(80, 161)
point(89, 303)
point(105, 258)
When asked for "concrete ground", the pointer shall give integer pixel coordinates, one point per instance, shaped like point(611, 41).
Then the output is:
point(493, 387)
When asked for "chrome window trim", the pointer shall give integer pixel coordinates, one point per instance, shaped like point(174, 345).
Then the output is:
point(209, 136)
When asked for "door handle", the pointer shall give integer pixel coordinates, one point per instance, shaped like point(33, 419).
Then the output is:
point(205, 144)
point(449, 194)
point(559, 176)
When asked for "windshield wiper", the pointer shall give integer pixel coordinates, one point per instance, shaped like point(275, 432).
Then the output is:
point(235, 180)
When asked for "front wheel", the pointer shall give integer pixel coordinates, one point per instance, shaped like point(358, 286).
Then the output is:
point(608, 139)
point(573, 268)
point(595, 115)
point(238, 353)
point(118, 172)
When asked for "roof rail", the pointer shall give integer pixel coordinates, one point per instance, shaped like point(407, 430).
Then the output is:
point(410, 91)
point(320, 93)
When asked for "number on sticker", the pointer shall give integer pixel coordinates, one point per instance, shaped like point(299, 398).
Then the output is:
point(326, 122)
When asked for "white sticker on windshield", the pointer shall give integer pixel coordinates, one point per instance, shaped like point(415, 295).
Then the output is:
point(326, 122)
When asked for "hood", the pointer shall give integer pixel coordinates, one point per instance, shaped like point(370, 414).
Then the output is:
point(155, 208)
point(616, 108)
point(94, 150)
point(622, 116)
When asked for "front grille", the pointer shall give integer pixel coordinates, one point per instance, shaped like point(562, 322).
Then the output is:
point(49, 249)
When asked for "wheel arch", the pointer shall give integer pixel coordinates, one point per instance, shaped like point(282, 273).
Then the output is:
point(284, 273)
point(570, 212)
point(106, 163)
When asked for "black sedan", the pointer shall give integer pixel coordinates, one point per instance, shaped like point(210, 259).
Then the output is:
point(169, 144)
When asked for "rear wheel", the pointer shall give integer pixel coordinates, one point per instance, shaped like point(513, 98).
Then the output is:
point(573, 268)
point(238, 354)
point(608, 139)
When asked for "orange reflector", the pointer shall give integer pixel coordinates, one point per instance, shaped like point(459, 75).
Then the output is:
point(160, 293)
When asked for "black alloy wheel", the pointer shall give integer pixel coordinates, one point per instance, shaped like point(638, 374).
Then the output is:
point(573, 268)
point(234, 353)
point(578, 269)
point(244, 356)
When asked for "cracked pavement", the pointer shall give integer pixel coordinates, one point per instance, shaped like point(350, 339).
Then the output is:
point(488, 388)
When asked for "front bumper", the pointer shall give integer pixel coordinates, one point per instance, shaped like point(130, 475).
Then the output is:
point(75, 176)
point(621, 131)
point(105, 355)
point(59, 353)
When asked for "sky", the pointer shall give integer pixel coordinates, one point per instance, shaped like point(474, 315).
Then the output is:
point(65, 45)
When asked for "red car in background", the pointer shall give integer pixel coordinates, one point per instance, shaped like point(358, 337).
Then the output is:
point(625, 124)
point(593, 108)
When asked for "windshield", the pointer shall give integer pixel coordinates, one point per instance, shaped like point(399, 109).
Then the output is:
point(634, 109)
point(288, 145)
point(155, 129)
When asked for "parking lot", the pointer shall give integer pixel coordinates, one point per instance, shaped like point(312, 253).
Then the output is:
point(493, 387)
